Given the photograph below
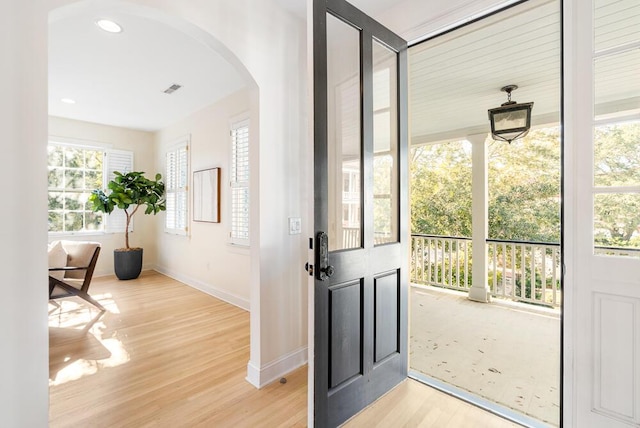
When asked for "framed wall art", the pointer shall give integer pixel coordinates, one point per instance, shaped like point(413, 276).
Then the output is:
point(206, 195)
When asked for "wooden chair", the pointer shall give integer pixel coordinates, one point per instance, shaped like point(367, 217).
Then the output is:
point(81, 262)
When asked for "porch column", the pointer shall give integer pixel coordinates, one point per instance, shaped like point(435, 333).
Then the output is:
point(479, 290)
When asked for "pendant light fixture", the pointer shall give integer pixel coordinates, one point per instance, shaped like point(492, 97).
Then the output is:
point(511, 120)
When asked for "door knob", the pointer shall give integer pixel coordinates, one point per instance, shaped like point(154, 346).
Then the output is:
point(329, 271)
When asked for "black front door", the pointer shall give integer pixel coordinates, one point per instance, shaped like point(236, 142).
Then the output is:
point(361, 211)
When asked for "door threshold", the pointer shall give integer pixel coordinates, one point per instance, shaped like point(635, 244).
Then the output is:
point(483, 403)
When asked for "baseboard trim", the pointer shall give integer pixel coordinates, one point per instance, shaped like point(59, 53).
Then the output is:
point(206, 288)
point(261, 377)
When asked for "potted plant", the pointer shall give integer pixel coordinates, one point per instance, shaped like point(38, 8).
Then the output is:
point(129, 192)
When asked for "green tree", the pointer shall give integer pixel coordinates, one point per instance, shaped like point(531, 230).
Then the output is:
point(524, 188)
point(441, 189)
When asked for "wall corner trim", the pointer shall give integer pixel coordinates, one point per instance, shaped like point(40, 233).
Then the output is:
point(261, 377)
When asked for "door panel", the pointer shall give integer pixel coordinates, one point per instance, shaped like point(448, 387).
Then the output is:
point(387, 317)
point(361, 204)
point(345, 309)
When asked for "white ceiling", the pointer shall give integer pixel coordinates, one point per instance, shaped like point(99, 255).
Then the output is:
point(119, 79)
point(454, 79)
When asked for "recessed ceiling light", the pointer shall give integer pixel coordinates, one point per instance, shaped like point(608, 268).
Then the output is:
point(68, 101)
point(109, 26)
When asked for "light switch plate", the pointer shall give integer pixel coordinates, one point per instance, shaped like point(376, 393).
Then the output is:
point(295, 225)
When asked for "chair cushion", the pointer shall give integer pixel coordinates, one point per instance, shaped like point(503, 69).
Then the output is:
point(79, 255)
point(57, 258)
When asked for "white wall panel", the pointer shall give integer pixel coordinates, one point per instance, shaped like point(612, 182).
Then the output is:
point(616, 350)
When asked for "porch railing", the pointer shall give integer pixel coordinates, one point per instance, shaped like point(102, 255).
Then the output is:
point(525, 271)
point(443, 261)
point(522, 271)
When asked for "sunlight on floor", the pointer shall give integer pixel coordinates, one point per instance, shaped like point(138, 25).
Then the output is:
point(78, 344)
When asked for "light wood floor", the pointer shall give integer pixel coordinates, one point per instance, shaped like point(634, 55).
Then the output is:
point(163, 355)
point(166, 355)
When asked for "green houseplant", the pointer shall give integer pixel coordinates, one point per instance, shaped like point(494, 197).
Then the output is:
point(129, 192)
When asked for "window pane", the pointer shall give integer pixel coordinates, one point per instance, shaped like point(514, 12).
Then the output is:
point(617, 84)
point(617, 154)
point(73, 179)
point(616, 135)
point(616, 22)
point(73, 158)
point(93, 221)
point(385, 145)
point(617, 221)
point(55, 178)
point(73, 222)
point(56, 200)
point(343, 134)
point(55, 155)
point(93, 180)
point(73, 201)
point(55, 222)
point(94, 160)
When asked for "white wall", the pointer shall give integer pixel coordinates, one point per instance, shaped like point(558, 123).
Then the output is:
point(205, 259)
point(23, 220)
point(141, 144)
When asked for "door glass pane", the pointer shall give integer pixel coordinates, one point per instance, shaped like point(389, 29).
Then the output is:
point(617, 154)
point(385, 145)
point(615, 22)
point(616, 228)
point(617, 84)
point(343, 135)
point(616, 132)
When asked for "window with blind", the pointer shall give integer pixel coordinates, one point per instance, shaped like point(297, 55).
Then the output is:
point(177, 180)
point(73, 172)
point(240, 183)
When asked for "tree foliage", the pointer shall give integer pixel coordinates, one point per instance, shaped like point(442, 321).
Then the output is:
point(441, 189)
point(524, 188)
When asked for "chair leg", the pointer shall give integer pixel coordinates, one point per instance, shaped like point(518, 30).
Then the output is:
point(83, 295)
point(91, 300)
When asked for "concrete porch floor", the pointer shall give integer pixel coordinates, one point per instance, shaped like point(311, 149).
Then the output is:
point(505, 352)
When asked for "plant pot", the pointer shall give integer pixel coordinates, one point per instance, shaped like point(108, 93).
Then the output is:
point(127, 263)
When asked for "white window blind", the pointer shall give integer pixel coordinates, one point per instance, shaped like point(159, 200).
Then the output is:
point(121, 161)
point(240, 183)
point(177, 181)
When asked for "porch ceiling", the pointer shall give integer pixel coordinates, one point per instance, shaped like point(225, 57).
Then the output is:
point(456, 78)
